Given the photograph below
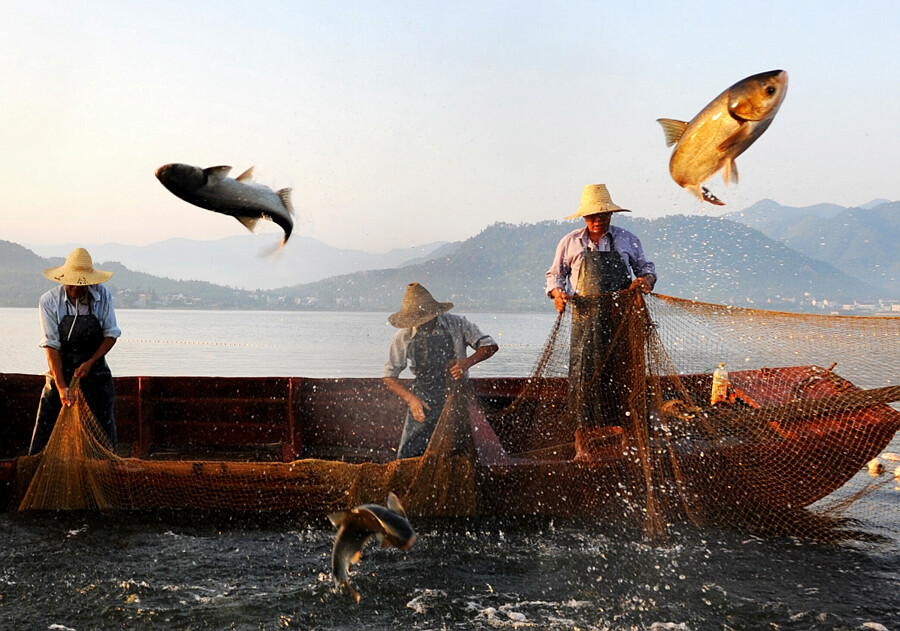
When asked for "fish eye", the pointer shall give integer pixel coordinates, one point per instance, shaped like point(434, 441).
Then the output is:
point(770, 90)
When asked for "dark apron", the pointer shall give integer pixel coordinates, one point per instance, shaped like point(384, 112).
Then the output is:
point(80, 337)
point(598, 372)
point(602, 272)
point(431, 355)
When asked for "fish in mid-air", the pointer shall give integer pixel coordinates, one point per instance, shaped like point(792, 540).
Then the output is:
point(239, 197)
point(722, 131)
point(357, 526)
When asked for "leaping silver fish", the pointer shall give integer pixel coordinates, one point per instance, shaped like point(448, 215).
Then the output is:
point(357, 526)
point(212, 189)
point(722, 131)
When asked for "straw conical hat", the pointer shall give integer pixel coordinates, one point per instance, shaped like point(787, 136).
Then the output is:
point(77, 270)
point(595, 199)
point(418, 308)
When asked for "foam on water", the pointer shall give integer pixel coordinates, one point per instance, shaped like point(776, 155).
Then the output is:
point(202, 572)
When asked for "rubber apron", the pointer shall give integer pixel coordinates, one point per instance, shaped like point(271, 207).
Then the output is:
point(431, 355)
point(596, 376)
point(80, 336)
point(602, 272)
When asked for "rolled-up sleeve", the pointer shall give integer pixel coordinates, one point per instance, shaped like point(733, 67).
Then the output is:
point(106, 313)
point(48, 309)
point(473, 336)
point(397, 358)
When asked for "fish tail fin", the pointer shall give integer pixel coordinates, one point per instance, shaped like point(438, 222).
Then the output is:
point(285, 195)
point(248, 222)
point(673, 129)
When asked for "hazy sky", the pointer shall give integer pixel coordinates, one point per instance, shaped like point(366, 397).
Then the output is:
point(402, 123)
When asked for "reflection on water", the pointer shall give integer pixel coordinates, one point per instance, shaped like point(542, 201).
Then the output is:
point(266, 343)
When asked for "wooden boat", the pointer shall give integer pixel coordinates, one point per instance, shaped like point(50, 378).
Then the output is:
point(223, 436)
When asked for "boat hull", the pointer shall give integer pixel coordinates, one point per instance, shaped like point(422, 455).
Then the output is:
point(296, 444)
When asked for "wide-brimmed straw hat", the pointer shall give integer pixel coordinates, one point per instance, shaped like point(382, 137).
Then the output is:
point(77, 270)
point(594, 200)
point(418, 308)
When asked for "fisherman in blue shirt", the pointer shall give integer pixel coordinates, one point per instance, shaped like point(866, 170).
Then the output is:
point(79, 328)
point(434, 343)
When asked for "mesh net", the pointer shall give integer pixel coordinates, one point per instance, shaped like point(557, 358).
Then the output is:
point(77, 470)
point(804, 431)
point(616, 422)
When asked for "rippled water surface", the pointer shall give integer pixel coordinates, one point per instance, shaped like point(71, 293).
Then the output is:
point(86, 571)
point(89, 571)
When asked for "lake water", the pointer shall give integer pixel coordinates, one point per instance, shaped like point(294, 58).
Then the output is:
point(86, 571)
point(267, 343)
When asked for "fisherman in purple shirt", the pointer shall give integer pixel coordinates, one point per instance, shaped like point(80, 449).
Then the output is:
point(79, 328)
point(597, 262)
point(618, 251)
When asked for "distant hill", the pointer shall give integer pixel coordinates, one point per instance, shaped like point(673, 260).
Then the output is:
point(861, 242)
point(704, 258)
point(22, 283)
point(713, 259)
point(241, 261)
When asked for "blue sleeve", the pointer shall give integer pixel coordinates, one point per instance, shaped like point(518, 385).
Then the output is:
point(48, 311)
point(107, 315)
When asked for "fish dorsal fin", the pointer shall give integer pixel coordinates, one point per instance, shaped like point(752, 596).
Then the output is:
point(285, 195)
point(246, 176)
point(248, 222)
point(217, 173)
point(337, 518)
point(393, 504)
point(673, 129)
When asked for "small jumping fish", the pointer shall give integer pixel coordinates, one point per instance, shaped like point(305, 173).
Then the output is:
point(357, 526)
point(212, 189)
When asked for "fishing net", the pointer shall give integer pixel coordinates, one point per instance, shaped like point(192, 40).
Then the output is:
point(804, 431)
point(78, 470)
point(617, 423)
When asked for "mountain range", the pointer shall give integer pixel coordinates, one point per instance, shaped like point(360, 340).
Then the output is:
point(240, 262)
point(766, 255)
point(862, 242)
